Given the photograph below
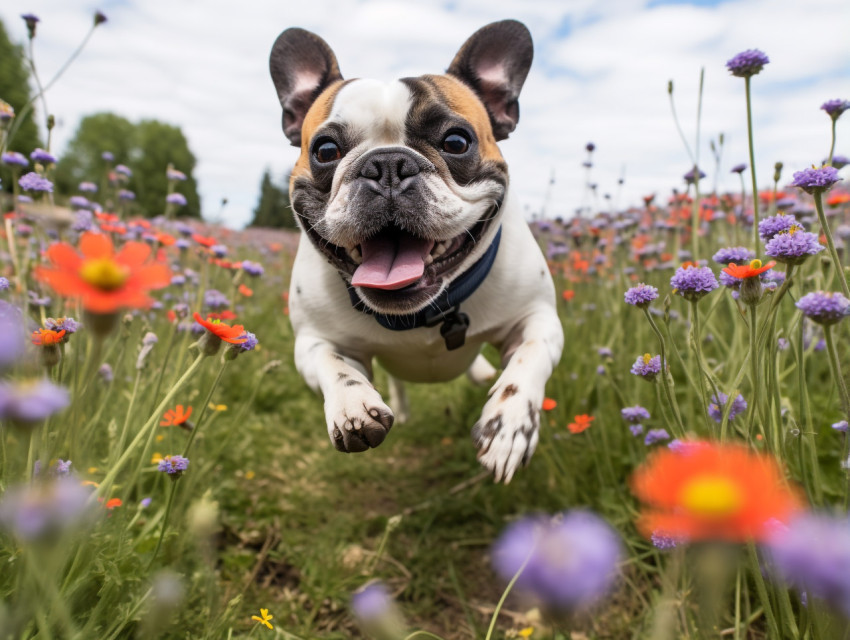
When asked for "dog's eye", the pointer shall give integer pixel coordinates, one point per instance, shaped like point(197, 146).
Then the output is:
point(455, 143)
point(328, 151)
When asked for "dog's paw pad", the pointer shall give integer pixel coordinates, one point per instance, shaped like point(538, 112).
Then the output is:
point(506, 435)
point(357, 427)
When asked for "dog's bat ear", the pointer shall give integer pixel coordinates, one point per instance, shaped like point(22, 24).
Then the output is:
point(302, 65)
point(495, 62)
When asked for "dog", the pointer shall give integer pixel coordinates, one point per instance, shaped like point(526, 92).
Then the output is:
point(413, 251)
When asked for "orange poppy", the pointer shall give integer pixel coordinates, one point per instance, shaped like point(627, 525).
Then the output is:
point(549, 404)
point(221, 330)
point(113, 503)
point(838, 198)
point(175, 417)
point(245, 291)
point(165, 239)
point(204, 241)
point(104, 280)
point(46, 337)
point(569, 294)
point(581, 423)
point(711, 491)
point(105, 217)
point(227, 314)
point(743, 271)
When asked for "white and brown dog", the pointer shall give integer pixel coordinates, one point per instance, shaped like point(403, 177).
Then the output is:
point(413, 250)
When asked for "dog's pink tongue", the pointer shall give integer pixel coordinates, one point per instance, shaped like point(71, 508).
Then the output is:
point(391, 261)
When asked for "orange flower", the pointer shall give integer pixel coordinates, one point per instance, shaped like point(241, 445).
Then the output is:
point(221, 330)
point(227, 314)
point(105, 280)
point(549, 404)
point(838, 198)
point(112, 503)
point(581, 423)
point(204, 241)
point(46, 337)
point(105, 217)
point(569, 294)
point(711, 491)
point(245, 291)
point(751, 270)
point(175, 417)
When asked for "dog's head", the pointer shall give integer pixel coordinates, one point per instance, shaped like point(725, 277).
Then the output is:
point(400, 184)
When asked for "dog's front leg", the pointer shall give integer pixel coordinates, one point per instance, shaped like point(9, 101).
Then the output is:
point(356, 415)
point(507, 432)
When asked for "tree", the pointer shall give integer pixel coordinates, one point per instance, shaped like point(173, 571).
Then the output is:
point(273, 209)
point(15, 89)
point(147, 148)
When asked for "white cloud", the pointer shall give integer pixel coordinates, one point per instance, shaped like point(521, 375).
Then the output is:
point(204, 67)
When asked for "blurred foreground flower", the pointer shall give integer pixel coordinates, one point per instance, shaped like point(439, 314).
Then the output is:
point(376, 611)
point(29, 402)
point(712, 492)
point(45, 510)
point(570, 559)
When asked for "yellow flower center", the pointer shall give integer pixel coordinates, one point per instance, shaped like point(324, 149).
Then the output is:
point(711, 496)
point(755, 264)
point(104, 273)
point(646, 358)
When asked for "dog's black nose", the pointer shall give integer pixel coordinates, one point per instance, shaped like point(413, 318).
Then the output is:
point(391, 170)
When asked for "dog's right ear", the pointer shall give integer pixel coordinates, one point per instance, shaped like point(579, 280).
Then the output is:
point(302, 65)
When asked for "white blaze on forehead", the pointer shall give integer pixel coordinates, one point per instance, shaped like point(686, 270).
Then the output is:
point(375, 110)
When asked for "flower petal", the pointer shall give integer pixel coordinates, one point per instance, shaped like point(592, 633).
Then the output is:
point(96, 245)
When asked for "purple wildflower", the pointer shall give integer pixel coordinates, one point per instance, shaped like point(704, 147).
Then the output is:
point(123, 170)
point(656, 435)
point(174, 174)
point(14, 158)
point(793, 246)
point(834, 108)
point(126, 194)
point(641, 295)
point(107, 156)
point(4, 283)
point(839, 162)
point(664, 542)
point(69, 325)
point(33, 182)
point(636, 429)
point(105, 373)
point(219, 250)
point(250, 343)
point(733, 255)
point(647, 367)
point(215, 299)
point(739, 168)
point(717, 405)
point(605, 352)
point(824, 307)
point(42, 156)
point(44, 510)
point(87, 187)
point(813, 554)
point(62, 467)
point(173, 465)
point(83, 221)
point(372, 602)
point(79, 202)
point(182, 244)
point(634, 414)
point(144, 503)
point(30, 402)
point(176, 198)
point(772, 225)
point(692, 283)
point(570, 559)
point(840, 426)
point(32, 21)
point(254, 269)
point(816, 180)
point(747, 63)
point(693, 175)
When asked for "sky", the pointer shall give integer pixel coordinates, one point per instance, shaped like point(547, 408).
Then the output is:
point(600, 75)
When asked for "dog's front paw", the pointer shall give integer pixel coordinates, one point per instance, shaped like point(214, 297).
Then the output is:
point(506, 434)
point(357, 418)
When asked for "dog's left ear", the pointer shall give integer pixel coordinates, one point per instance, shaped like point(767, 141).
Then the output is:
point(495, 62)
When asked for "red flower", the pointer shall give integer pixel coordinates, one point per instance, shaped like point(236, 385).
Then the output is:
point(204, 241)
point(105, 281)
point(751, 270)
point(245, 291)
point(227, 314)
point(549, 404)
point(581, 423)
point(569, 294)
point(221, 330)
point(46, 337)
point(175, 417)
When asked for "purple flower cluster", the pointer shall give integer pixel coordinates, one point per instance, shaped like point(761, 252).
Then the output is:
point(215, 299)
point(43, 510)
point(793, 246)
point(664, 542)
point(250, 344)
point(772, 225)
point(647, 367)
point(13, 158)
point(824, 307)
point(634, 414)
point(254, 269)
point(717, 405)
point(570, 559)
point(176, 198)
point(87, 187)
point(33, 182)
point(816, 180)
point(739, 168)
point(733, 255)
point(42, 156)
point(27, 403)
point(68, 325)
point(641, 295)
point(692, 283)
point(173, 465)
point(174, 174)
point(372, 602)
point(813, 554)
point(747, 63)
point(654, 436)
point(840, 426)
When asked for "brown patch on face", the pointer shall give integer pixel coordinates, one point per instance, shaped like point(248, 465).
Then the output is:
point(463, 101)
point(319, 111)
point(509, 391)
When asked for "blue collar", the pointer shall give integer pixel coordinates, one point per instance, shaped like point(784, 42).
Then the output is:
point(444, 310)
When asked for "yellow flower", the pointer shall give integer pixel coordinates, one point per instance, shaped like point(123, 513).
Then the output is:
point(526, 633)
point(155, 458)
point(218, 407)
point(249, 475)
point(265, 619)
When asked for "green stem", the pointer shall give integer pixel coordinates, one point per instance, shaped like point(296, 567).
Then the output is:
point(204, 408)
point(696, 337)
point(836, 263)
point(665, 383)
point(762, 592)
point(754, 372)
point(832, 145)
point(164, 521)
point(845, 400)
point(752, 169)
point(505, 595)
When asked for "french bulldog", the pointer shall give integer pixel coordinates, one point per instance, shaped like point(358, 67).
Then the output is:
point(413, 251)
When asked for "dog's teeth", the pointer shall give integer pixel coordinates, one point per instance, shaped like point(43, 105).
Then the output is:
point(440, 249)
point(429, 259)
point(354, 254)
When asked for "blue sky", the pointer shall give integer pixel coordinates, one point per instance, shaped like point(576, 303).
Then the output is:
point(600, 74)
